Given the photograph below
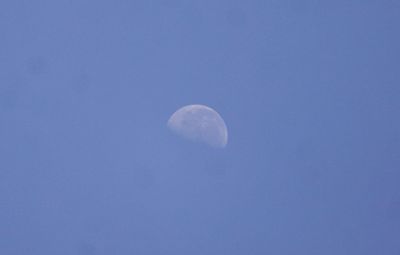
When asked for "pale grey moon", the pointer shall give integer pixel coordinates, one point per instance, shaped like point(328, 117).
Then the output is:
point(199, 123)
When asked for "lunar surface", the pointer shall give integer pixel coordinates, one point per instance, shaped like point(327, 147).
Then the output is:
point(199, 123)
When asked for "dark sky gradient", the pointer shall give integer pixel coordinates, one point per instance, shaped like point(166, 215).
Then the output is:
point(310, 93)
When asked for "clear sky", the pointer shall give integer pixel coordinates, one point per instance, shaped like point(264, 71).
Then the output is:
point(309, 91)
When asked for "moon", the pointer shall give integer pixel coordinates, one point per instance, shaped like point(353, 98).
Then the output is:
point(199, 123)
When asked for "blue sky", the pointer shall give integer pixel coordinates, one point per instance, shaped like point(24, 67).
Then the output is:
point(309, 92)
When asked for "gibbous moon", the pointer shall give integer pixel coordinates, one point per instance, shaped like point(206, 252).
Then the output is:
point(199, 123)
